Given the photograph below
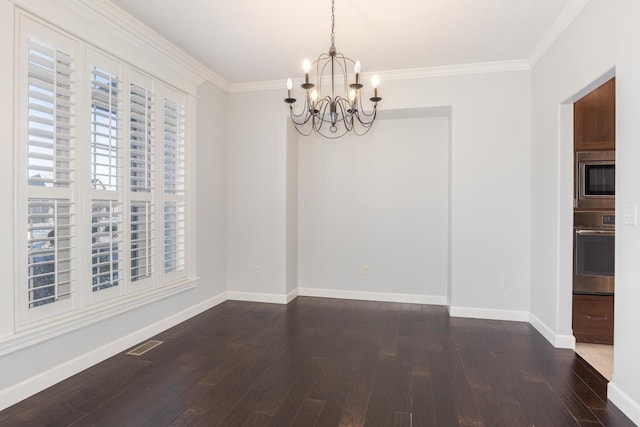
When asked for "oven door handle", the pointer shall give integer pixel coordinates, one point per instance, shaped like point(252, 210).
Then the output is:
point(591, 232)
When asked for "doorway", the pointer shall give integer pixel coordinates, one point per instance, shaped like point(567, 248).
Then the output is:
point(593, 285)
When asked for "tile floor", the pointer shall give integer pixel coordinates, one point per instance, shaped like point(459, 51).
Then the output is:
point(600, 356)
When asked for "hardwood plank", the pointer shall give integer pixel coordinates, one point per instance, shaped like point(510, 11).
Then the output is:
point(308, 413)
point(401, 419)
point(422, 402)
point(291, 404)
point(332, 408)
point(356, 404)
point(380, 408)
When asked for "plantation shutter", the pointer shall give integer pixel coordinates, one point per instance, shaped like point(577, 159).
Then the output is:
point(49, 207)
point(174, 185)
point(106, 178)
point(106, 244)
point(49, 158)
point(142, 175)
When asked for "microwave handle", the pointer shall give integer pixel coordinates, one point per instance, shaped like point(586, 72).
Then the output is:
point(582, 232)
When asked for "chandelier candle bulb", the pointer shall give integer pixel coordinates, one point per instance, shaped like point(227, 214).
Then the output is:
point(289, 99)
point(375, 81)
point(356, 69)
point(306, 67)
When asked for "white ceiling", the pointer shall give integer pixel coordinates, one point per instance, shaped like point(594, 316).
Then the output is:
point(257, 40)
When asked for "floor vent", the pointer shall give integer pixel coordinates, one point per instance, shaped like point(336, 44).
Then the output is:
point(143, 348)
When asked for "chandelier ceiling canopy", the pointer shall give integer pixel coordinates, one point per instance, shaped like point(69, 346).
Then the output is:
point(333, 104)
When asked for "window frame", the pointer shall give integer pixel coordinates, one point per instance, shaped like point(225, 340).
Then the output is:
point(129, 294)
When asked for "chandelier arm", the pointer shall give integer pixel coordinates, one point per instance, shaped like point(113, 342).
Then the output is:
point(366, 123)
point(320, 120)
point(301, 130)
point(304, 114)
point(364, 112)
point(302, 122)
point(365, 130)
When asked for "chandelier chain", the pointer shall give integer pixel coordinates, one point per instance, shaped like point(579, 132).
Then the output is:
point(333, 23)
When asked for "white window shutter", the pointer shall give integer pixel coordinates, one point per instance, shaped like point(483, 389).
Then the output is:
point(174, 124)
point(49, 105)
point(107, 171)
point(46, 145)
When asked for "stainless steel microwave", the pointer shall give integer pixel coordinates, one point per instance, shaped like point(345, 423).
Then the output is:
point(595, 179)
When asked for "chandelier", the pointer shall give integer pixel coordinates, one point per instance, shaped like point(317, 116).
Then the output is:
point(332, 105)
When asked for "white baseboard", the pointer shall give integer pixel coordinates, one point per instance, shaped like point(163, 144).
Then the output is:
point(622, 400)
point(35, 384)
point(292, 295)
point(373, 296)
point(259, 297)
point(557, 340)
point(489, 313)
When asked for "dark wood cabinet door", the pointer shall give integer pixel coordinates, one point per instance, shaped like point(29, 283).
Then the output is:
point(593, 318)
point(594, 119)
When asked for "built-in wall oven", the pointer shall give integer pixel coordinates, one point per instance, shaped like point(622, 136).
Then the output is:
point(595, 180)
point(594, 256)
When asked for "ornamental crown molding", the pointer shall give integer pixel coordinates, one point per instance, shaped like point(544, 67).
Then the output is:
point(406, 74)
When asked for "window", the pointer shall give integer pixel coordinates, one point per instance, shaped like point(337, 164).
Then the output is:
point(94, 141)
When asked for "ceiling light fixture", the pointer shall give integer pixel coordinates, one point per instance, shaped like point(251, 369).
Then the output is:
point(338, 110)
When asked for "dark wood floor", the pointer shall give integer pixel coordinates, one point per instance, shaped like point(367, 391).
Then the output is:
point(325, 362)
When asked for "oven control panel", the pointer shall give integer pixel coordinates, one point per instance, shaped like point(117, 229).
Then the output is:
point(594, 219)
point(608, 220)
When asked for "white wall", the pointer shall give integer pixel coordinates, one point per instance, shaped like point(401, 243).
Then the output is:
point(211, 195)
point(257, 193)
point(489, 189)
point(605, 35)
point(292, 211)
point(374, 211)
point(489, 185)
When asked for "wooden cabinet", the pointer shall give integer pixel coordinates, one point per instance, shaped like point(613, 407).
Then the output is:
point(594, 119)
point(593, 318)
